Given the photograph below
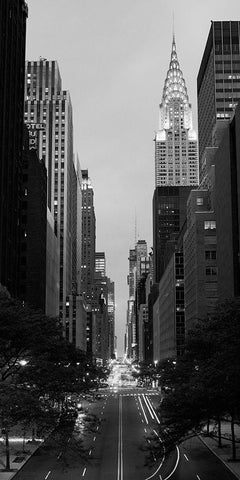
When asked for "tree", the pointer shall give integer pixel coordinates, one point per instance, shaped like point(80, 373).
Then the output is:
point(40, 371)
point(205, 382)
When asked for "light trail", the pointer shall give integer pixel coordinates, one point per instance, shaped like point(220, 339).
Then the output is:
point(149, 409)
point(140, 401)
point(152, 408)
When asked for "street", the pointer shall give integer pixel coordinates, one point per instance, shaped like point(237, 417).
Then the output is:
point(113, 448)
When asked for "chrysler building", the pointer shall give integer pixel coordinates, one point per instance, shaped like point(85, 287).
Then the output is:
point(176, 149)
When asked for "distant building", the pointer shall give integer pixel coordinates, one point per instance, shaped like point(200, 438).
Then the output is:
point(88, 237)
point(176, 148)
point(139, 266)
point(13, 15)
point(111, 319)
point(218, 82)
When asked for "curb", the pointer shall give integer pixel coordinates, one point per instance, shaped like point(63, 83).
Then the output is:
point(25, 461)
point(216, 455)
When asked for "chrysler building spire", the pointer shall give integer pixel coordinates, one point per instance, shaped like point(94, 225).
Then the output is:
point(176, 155)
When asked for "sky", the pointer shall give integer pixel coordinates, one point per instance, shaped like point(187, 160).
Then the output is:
point(113, 57)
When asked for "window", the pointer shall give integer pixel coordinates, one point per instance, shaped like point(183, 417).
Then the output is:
point(210, 225)
point(211, 271)
point(210, 255)
point(199, 201)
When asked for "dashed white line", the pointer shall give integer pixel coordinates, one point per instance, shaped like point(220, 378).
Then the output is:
point(47, 474)
point(90, 452)
point(59, 456)
point(198, 477)
point(186, 457)
point(145, 430)
point(94, 438)
point(84, 471)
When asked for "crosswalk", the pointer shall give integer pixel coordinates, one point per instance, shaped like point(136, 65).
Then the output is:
point(125, 394)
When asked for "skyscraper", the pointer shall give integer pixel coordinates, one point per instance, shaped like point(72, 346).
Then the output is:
point(88, 237)
point(218, 82)
point(13, 15)
point(176, 151)
point(46, 103)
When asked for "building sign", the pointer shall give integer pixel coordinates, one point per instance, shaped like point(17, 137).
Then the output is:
point(33, 129)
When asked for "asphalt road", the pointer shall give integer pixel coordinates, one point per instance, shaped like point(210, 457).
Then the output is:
point(113, 448)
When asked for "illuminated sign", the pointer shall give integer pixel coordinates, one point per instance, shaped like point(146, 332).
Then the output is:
point(33, 129)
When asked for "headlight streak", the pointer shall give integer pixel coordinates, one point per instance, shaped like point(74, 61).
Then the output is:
point(140, 401)
point(152, 408)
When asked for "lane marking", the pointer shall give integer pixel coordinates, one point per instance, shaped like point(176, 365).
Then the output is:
point(94, 438)
point(90, 452)
point(140, 401)
point(186, 457)
point(155, 473)
point(178, 458)
point(152, 408)
point(120, 442)
point(47, 474)
point(84, 471)
point(198, 477)
point(59, 456)
point(151, 415)
point(145, 430)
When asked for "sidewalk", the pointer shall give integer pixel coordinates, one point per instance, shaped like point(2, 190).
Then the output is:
point(225, 452)
point(18, 457)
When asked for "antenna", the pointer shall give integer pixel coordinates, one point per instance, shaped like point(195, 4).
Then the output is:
point(135, 228)
point(173, 26)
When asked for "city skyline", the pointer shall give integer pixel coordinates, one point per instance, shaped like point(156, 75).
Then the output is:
point(115, 73)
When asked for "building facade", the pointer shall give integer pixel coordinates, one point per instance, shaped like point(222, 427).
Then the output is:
point(200, 258)
point(13, 15)
point(227, 207)
point(88, 237)
point(176, 148)
point(169, 215)
point(33, 248)
point(218, 82)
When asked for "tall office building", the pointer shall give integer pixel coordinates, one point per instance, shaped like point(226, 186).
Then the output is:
point(169, 215)
point(218, 82)
point(88, 237)
point(47, 104)
point(13, 15)
point(176, 150)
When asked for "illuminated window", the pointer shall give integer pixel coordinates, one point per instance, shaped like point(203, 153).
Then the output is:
point(210, 225)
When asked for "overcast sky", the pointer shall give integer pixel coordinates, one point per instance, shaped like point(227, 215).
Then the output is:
point(113, 57)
